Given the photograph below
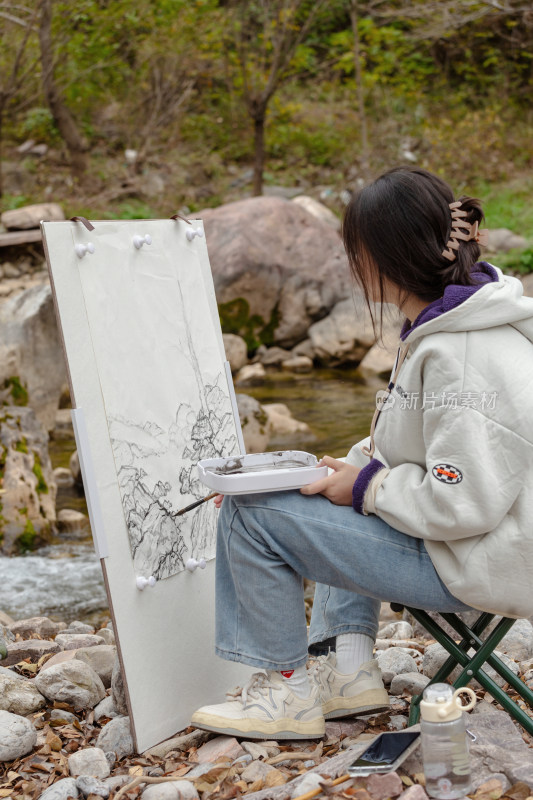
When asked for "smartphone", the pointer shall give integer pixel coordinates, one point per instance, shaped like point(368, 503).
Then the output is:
point(386, 753)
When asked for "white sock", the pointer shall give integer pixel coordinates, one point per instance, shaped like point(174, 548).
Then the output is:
point(298, 680)
point(353, 649)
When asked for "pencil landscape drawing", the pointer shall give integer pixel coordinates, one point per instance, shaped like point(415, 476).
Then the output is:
point(165, 395)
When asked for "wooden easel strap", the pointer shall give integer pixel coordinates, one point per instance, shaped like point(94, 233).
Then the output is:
point(84, 221)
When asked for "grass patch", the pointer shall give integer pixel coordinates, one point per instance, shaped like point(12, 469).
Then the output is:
point(508, 205)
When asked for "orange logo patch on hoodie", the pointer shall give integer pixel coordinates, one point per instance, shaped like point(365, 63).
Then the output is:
point(447, 473)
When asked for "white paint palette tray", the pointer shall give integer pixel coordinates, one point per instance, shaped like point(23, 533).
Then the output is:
point(261, 472)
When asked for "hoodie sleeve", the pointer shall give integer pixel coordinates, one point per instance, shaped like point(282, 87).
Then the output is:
point(358, 458)
point(470, 480)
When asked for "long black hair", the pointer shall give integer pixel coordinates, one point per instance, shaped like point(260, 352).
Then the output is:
point(397, 228)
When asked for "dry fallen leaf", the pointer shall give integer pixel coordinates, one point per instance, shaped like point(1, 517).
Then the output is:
point(136, 771)
point(54, 741)
point(518, 791)
point(490, 790)
point(274, 778)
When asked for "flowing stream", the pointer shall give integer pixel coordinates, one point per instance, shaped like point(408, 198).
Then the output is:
point(64, 581)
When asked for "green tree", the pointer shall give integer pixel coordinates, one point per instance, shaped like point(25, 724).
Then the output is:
point(17, 62)
point(267, 46)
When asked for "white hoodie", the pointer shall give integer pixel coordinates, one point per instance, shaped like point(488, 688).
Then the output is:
point(456, 442)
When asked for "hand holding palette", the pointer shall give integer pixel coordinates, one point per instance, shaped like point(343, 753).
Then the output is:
point(261, 472)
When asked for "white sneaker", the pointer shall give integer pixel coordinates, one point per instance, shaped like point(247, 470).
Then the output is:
point(362, 692)
point(265, 708)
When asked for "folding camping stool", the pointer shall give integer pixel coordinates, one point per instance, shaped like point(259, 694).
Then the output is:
point(472, 665)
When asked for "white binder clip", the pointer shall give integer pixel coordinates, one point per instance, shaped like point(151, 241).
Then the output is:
point(82, 249)
point(193, 564)
point(138, 241)
point(142, 583)
point(190, 233)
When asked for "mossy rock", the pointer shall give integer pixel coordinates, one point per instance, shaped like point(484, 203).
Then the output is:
point(27, 539)
point(235, 318)
point(42, 486)
point(18, 392)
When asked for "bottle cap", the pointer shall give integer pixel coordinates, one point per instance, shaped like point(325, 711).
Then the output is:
point(442, 704)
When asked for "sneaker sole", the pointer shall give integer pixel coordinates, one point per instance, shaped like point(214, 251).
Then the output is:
point(371, 701)
point(261, 729)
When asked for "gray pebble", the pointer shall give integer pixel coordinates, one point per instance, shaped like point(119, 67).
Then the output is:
point(397, 722)
point(309, 782)
point(115, 782)
point(60, 790)
point(116, 736)
point(245, 759)
point(89, 785)
point(201, 769)
point(173, 790)
point(410, 682)
point(395, 661)
point(60, 714)
point(255, 771)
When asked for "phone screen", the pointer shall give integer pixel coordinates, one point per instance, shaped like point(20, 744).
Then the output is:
point(386, 749)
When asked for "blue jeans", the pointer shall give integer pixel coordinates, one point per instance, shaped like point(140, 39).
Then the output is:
point(268, 543)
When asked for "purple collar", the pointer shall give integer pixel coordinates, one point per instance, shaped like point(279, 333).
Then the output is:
point(453, 296)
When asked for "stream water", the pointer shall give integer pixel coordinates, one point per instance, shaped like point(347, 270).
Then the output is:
point(64, 581)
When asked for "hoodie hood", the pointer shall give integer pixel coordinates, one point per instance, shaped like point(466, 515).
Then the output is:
point(496, 300)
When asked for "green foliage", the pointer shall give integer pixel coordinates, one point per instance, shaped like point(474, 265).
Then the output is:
point(177, 80)
point(26, 541)
point(22, 445)
point(39, 124)
point(235, 318)
point(42, 486)
point(133, 209)
point(18, 391)
point(508, 206)
point(518, 261)
point(10, 201)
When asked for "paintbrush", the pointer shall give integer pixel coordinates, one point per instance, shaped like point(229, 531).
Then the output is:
point(198, 503)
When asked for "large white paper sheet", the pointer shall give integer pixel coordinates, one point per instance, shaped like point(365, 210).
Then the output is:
point(164, 390)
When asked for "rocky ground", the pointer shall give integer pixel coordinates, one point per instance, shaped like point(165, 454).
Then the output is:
point(64, 728)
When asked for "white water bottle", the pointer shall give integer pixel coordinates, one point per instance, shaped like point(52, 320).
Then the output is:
point(445, 751)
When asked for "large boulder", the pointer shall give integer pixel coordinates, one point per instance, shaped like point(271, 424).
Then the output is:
point(346, 335)
point(236, 351)
point(28, 217)
point(254, 423)
point(29, 490)
point(277, 269)
point(19, 696)
point(32, 366)
point(318, 210)
point(101, 658)
point(73, 682)
point(116, 737)
point(501, 240)
point(40, 626)
point(17, 736)
point(280, 422)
